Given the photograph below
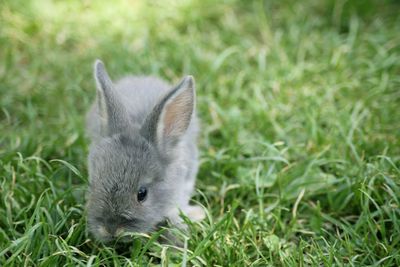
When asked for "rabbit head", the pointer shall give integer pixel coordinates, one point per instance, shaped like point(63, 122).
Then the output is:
point(131, 184)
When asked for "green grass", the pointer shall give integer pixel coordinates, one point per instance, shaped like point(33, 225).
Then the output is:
point(300, 140)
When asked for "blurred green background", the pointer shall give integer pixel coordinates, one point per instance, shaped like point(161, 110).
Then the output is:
point(300, 140)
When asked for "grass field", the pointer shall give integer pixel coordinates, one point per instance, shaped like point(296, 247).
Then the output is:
point(300, 139)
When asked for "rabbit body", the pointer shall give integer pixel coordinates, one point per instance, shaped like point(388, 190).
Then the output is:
point(143, 158)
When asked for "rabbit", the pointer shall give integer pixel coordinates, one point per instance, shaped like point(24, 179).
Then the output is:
point(143, 157)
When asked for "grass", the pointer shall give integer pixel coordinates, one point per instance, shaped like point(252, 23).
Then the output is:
point(300, 140)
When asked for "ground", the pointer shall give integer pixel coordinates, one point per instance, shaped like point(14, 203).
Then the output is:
point(300, 138)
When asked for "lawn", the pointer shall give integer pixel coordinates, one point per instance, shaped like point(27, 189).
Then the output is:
point(300, 137)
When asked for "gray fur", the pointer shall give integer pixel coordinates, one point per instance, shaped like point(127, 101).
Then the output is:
point(132, 147)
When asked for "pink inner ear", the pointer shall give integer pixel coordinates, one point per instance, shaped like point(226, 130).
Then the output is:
point(177, 114)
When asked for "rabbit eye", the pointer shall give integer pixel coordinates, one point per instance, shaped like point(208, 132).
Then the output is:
point(142, 193)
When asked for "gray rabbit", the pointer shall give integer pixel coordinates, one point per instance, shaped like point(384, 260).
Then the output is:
point(143, 156)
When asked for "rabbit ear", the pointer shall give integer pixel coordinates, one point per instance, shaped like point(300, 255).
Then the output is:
point(171, 117)
point(113, 115)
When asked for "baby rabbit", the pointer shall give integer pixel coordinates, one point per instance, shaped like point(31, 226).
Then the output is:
point(143, 156)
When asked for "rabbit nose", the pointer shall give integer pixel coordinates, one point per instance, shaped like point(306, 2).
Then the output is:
point(114, 230)
point(111, 230)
